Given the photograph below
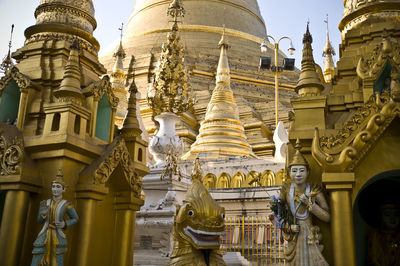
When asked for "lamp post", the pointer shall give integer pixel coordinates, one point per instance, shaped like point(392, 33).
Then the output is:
point(264, 48)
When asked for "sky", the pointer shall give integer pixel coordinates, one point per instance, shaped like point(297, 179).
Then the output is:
point(282, 18)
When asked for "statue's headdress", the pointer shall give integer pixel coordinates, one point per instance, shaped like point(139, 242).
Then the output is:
point(298, 158)
point(59, 178)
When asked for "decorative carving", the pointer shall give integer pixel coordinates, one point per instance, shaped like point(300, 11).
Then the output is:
point(119, 155)
point(11, 155)
point(357, 144)
point(98, 88)
point(22, 81)
point(336, 142)
point(370, 66)
point(85, 45)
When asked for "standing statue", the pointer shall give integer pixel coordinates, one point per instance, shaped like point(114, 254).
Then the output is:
point(303, 201)
point(51, 243)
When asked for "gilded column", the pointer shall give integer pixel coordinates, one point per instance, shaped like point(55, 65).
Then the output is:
point(126, 207)
point(340, 185)
point(86, 207)
point(13, 226)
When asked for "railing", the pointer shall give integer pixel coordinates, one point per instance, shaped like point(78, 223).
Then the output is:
point(256, 238)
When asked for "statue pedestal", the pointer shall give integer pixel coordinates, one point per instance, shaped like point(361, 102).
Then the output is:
point(155, 220)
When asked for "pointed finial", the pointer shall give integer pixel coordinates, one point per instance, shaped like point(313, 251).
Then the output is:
point(327, 22)
point(7, 61)
point(223, 41)
point(122, 31)
point(307, 38)
point(176, 10)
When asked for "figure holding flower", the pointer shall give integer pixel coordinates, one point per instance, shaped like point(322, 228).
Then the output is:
point(303, 201)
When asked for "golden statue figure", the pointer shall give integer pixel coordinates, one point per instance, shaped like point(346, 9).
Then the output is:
point(51, 243)
point(199, 224)
point(303, 201)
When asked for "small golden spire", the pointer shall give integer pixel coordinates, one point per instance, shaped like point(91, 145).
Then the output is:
point(71, 83)
point(119, 55)
point(298, 158)
point(221, 133)
point(328, 53)
point(309, 82)
point(131, 126)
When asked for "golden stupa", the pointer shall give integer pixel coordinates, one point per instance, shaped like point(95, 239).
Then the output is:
point(221, 133)
point(200, 30)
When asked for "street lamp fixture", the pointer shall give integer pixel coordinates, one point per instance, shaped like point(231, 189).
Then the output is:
point(265, 63)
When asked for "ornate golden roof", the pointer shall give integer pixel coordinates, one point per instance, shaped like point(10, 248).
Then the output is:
point(221, 133)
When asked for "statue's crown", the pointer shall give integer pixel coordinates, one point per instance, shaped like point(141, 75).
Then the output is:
point(298, 158)
point(59, 178)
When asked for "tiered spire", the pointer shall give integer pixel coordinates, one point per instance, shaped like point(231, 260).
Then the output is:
point(309, 82)
point(118, 77)
point(70, 87)
point(222, 133)
point(131, 126)
point(328, 53)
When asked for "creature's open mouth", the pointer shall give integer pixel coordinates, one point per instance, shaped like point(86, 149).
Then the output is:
point(203, 238)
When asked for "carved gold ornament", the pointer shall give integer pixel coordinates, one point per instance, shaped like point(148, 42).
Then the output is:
point(119, 155)
point(355, 143)
point(22, 81)
point(103, 86)
point(11, 155)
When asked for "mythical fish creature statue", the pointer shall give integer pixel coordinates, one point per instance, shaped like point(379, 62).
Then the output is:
point(199, 224)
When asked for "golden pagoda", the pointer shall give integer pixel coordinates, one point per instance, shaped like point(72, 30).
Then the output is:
point(57, 113)
point(221, 133)
point(200, 31)
point(349, 128)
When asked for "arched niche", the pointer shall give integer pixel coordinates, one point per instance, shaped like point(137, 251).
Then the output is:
point(267, 178)
point(251, 177)
point(103, 118)
point(223, 181)
point(280, 177)
point(366, 212)
point(238, 180)
point(209, 181)
point(9, 104)
point(382, 83)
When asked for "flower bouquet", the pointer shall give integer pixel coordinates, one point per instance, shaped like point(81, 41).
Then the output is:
point(281, 212)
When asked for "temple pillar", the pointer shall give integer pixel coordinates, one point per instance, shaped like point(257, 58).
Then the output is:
point(126, 206)
point(340, 186)
point(13, 226)
point(86, 197)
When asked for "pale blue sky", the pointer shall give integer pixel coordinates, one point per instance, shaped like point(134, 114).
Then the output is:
point(283, 18)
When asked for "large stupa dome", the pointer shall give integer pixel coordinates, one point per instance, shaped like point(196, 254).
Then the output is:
point(201, 31)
